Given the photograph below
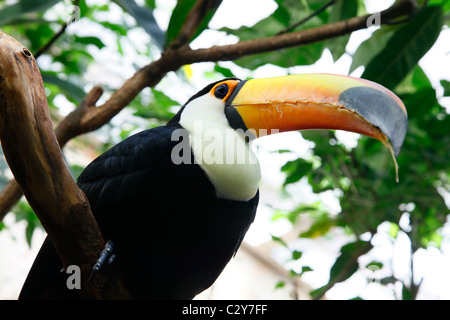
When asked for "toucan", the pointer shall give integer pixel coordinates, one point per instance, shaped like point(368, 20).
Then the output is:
point(177, 200)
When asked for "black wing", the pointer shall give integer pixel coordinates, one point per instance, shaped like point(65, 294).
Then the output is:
point(125, 171)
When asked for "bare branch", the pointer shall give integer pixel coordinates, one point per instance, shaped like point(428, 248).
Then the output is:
point(9, 196)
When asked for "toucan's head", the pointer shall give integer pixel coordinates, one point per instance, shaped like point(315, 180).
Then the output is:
point(224, 116)
point(306, 101)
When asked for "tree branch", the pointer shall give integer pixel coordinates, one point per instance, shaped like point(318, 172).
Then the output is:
point(299, 38)
point(35, 158)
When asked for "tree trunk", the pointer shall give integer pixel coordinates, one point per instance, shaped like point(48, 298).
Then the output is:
point(35, 158)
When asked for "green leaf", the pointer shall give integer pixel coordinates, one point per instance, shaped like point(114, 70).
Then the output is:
point(151, 3)
point(224, 71)
point(145, 18)
point(314, 210)
point(415, 80)
point(306, 269)
point(320, 227)
point(295, 170)
point(296, 255)
point(23, 211)
point(76, 170)
point(66, 86)
point(444, 3)
point(279, 240)
point(90, 40)
point(370, 48)
point(177, 19)
point(374, 265)
point(75, 61)
point(388, 280)
point(446, 85)
point(159, 106)
point(341, 10)
point(180, 13)
point(294, 273)
point(393, 230)
point(416, 102)
point(345, 265)
point(114, 27)
point(406, 293)
point(38, 35)
point(405, 48)
point(15, 11)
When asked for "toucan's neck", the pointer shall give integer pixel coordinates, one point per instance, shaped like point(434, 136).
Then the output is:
point(222, 152)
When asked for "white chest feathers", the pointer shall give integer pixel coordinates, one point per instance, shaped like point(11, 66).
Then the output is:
point(221, 151)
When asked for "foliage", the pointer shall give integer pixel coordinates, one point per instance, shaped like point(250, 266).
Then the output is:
point(363, 176)
point(370, 196)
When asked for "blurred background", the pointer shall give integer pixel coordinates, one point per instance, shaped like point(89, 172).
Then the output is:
point(332, 221)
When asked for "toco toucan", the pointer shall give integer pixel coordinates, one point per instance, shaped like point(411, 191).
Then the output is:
point(177, 200)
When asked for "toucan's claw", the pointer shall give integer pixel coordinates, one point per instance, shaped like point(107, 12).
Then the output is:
point(106, 258)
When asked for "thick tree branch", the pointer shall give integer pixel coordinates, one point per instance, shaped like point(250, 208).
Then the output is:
point(87, 117)
point(35, 158)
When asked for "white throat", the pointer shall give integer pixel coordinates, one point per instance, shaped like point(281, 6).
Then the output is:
point(222, 152)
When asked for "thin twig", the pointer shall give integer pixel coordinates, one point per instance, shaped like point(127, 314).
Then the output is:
point(55, 37)
point(304, 20)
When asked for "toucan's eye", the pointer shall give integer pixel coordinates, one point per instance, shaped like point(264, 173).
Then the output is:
point(221, 91)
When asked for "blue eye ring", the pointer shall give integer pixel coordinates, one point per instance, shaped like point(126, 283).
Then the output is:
point(221, 91)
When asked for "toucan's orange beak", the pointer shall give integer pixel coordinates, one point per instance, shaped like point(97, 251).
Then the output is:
point(321, 101)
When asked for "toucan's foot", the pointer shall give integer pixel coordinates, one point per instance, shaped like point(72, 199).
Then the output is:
point(106, 258)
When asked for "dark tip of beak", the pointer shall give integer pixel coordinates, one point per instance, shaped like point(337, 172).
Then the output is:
point(379, 109)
